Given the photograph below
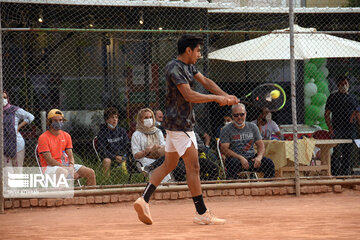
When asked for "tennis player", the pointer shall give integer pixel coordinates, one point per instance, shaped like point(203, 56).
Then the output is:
point(179, 123)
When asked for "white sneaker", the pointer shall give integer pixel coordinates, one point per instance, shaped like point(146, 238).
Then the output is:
point(208, 219)
point(143, 211)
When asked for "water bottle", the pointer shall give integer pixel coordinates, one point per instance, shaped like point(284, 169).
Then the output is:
point(65, 159)
point(123, 165)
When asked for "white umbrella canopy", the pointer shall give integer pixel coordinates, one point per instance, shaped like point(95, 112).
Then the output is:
point(276, 46)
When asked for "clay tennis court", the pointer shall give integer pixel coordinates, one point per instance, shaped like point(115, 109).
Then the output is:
point(323, 216)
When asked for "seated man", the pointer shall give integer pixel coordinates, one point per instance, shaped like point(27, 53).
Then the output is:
point(159, 119)
point(112, 141)
point(227, 120)
point(55, 151)
point(237, 143)
point(268, 128)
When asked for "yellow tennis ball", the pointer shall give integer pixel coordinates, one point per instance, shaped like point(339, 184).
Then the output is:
point(275, 94)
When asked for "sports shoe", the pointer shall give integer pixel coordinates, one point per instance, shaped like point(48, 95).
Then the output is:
point(208, 219)
point(143, 211)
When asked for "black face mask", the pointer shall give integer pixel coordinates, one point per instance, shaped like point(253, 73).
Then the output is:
point(57, 125)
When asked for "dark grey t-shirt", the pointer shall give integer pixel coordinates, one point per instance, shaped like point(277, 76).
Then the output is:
point(241, 139)
point(179, 114)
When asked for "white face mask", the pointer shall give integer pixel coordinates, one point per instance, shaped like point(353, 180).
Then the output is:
point(5, 102)
point(111, 126)
point(148, 122)
point(268, 117)
point(239, 125)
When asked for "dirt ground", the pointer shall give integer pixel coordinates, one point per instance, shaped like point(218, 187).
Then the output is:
point(323, 216)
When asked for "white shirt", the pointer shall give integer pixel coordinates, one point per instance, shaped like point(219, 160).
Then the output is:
point(139, 143)
point(268, 129)
point(21, 115)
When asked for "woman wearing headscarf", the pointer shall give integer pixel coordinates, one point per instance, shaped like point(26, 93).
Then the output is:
point(15, 118)
point(147, 142)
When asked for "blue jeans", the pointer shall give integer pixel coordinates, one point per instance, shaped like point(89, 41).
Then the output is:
point(233, 166)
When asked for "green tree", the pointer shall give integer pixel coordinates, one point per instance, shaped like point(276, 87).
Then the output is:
point(354, 3)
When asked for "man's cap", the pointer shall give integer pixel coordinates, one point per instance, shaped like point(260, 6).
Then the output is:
point(55, 112)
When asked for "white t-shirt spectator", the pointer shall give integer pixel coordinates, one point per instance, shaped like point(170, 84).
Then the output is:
point(268, 129)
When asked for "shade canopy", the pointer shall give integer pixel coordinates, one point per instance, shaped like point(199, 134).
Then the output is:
point(276, 46)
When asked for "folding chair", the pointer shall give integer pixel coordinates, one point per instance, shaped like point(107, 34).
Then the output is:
point(223, 170)
point(94, 143)
point(40, 168)
point(248, 174)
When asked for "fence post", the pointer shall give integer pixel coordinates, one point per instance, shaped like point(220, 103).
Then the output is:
point(293, 96)
point(1, 129)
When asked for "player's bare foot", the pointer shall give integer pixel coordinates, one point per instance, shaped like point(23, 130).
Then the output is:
point(208, 218)
point(143, 211)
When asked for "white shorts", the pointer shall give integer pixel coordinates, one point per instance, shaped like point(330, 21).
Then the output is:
point(52, 169)
point(178, 141)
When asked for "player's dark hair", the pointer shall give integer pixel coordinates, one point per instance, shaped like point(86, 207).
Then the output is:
point(110, 112)
point(190, 41)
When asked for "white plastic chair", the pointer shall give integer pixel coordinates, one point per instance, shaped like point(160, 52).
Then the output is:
point(40, 168)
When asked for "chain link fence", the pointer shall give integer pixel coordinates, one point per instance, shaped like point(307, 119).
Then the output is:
point(85, 59)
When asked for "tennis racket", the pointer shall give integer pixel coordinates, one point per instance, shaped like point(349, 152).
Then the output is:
point(269, 95)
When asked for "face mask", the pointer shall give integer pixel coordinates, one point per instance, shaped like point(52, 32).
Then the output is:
point(239, 125)
point(57, 125)
point(5, 102)
point(157, 123)
point(268, 117)
point(111, 126)
point(148, 122)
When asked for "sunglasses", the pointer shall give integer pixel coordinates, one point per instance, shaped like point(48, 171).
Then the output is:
point(238, 114)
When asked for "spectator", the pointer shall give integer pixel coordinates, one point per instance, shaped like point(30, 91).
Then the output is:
point(15, 118)
point(237, 143)
point(55, 151)
point(159, 119)
point(227, 120)
point(342, 106)
point(268, 128)
point(208, 168)
point(147, 142)
point(113, 141)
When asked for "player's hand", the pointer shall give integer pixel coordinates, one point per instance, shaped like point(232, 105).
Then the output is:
point(221, 100)
point(257, 162)
point(232, 100)
point(244, 163)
